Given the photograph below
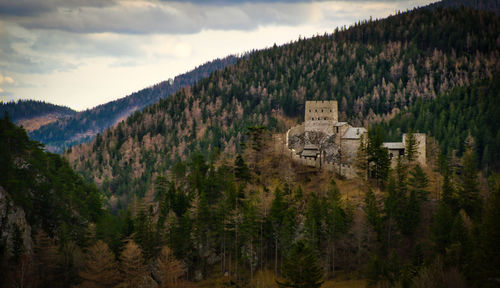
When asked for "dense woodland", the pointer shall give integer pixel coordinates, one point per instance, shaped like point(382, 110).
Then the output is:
point(83, 126)
point(224, 221)
point(23, 109)
point(196, 190)
point(463, 112)
point(374, 70)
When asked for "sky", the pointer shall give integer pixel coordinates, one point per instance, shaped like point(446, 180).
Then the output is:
point(82, 53)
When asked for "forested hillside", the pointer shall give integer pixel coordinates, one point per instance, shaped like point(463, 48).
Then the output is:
point(83, 126)
point(375, 69)
point(24, 109)
point(489, 5)
point(40, 197)
point(465, 113)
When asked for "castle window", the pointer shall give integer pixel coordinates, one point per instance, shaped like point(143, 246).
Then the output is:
point(309, 110)
point(337, 129)
point(312, 118)
point(330, 110)
point(321, 110)
point(391, 156)
point(326, 118)
point(315, 110)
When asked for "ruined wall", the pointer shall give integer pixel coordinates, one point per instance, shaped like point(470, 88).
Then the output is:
point(349, 147)
point(320, 116)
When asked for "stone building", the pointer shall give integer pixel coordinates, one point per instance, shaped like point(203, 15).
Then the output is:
point(321, 116)
point(398, 149)
point(336, 142)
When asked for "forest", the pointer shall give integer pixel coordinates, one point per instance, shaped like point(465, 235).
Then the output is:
point(226, 221)
point(23, 109)
point(197, 191)
point(375, 70)
point(84, 125)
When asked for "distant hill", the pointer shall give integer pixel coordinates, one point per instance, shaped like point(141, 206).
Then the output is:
point(31, 113)
point(488, 5)
point(375, 70)
point(83, 126)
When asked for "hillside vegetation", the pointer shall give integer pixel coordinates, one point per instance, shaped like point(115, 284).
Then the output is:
point(28, 109)
point(374, 69)
point(40, 197)
point(465, 113)
point(83, 126)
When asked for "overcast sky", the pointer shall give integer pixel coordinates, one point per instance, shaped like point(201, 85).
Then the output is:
point(82, 53)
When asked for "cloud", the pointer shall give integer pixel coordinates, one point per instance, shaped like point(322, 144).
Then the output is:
point(149, 17)
point(6, 79)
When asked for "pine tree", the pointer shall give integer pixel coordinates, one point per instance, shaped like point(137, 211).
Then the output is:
point(361, 160)
point(441, 226)
point(132, 265)
point(241, 171)
point(469, 198)
point(302, 268)
point(170, 269)
point(100, 269)
point(372, 212)
point(418, 182)
point(411, 147)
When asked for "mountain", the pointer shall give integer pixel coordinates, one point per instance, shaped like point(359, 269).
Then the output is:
point(374, 69)
point(488, 5)
point(456, 116)
point(39, 195)
point(32, 114)
point(83, 126)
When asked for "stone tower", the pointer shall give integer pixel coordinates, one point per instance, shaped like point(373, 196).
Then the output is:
point(321, 116)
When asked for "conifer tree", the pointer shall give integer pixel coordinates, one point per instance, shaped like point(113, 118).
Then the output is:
point(302, 268)
point(100, 269)
point(418, 182)
point(411, 147)
point(361, 160)
point(372, 212)
point(132, 265)
point(170, 269)
point(241, 171)
point(469, 198)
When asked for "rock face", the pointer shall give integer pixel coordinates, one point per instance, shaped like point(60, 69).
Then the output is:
point(12, 217)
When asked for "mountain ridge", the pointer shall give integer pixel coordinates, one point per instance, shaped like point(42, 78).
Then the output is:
point(375, 69)
point(84, 125)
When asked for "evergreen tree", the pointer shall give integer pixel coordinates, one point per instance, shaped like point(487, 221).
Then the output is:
point(361, 160)
point(486, 265)
point(411, 147)
point(441, 227)
point(301, 268)
point(241, 171)
point(378, 157)
point(419, 182)
point(169, 268)
point(469, 198)
point(372, 212)
point(132, 265)
point(100, 269)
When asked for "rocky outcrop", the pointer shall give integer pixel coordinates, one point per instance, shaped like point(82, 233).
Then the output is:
point(13, 217)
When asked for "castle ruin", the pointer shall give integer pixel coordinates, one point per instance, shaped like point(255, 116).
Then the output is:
point(323, 142)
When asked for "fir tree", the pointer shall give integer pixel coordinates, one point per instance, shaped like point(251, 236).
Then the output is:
point(132, 265)
point(301, 268)
point(100, 269)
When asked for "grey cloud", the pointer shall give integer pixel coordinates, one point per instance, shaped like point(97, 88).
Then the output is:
point(128, 17)
point(30, 8)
